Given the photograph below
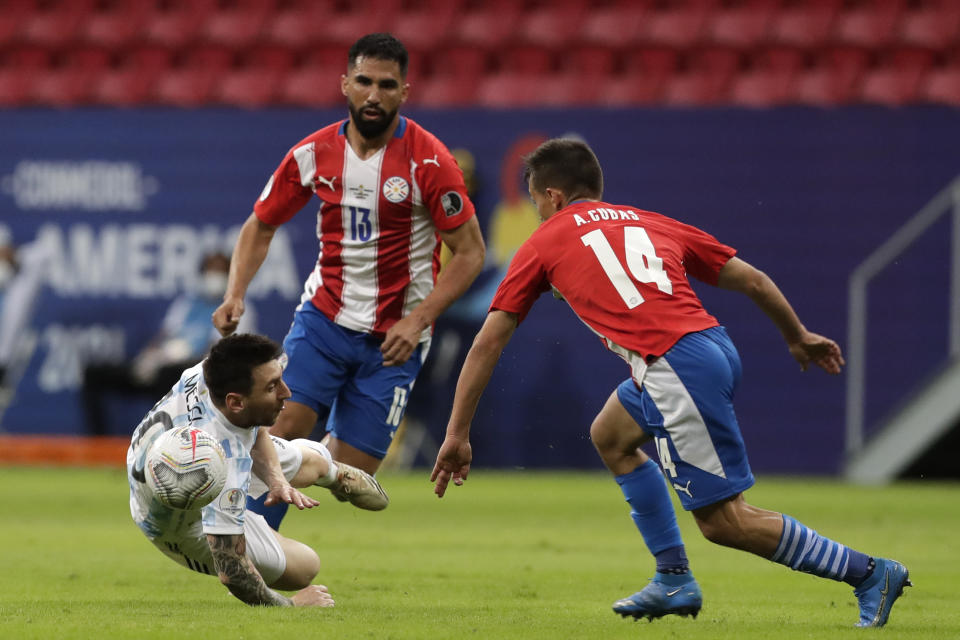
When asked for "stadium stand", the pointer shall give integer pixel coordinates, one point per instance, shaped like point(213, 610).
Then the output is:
point(497, 53)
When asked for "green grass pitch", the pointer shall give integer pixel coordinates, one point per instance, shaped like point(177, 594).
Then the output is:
point(508, 555)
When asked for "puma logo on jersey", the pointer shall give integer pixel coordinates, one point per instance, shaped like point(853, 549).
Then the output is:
point(685, 489)
point(327, 181)
point(432, 160)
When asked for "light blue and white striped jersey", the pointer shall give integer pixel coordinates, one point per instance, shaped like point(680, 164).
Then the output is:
point(189, 403)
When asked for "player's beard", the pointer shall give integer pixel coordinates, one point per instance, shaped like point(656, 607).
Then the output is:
point(370, 129)
point(263, 416)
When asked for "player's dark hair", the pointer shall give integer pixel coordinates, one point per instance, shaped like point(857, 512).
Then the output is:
point(382, 46)
point(230, 364)
point(565, 164)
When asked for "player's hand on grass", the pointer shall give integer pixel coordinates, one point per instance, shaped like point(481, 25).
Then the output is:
point(401, 339)
point(227, 316)
point(453, 463)
point(286, 493)
point(821, 351)
point(316, 595)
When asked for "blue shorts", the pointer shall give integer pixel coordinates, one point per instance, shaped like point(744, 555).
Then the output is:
point(686, 404)
point(333, 368)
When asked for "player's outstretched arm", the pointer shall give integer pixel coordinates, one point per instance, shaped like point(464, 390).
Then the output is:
point(453, 460)
point(266, 466)
point(248, 254)
point(805, 346)
point(467, 255)
point(238, 574)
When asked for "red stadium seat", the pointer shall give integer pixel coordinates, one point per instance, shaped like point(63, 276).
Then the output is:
point(741, 23)
point(298, 24)
point(115, 24)
point(486, 23)
point(424, 25)
point(935, 24)
point(177, 23)
point(706, 78)
point(614, 24)
point(315, 82)
point(525, 58)
point(19, 67)
point(632, 88)
point(835, 78)
point(510, 88)
point(446, 90)
point(55, 23)
point(770, 79)
point(570, 88)
point(238, 23)
point(644, 78)
point(359, 17)
point(677, 24)
point(870, 23)
point(551, 23)
point(15, 13)
point(590, 60)
point(191, 83)
point(132, 82)
point(807, 23)
point(459, 61)
point(898, 78)
point(257, 80)
point(941, 85)
point(70, 82)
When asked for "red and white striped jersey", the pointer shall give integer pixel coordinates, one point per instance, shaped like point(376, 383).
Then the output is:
point(377, 223)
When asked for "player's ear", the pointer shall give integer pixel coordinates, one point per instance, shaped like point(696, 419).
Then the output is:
point(234, 402)
point(404, 92)
point(556, 198)
point(343, 84)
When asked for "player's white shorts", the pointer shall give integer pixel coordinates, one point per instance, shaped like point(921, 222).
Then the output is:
point(193, 551)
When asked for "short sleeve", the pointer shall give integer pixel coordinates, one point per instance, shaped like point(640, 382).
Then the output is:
point(442, 189)
point(284, 194)
point(704, 256)
point(525, 281)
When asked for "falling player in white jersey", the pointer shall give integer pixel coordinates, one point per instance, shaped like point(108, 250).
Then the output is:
point(230, 395)
point(389, 192)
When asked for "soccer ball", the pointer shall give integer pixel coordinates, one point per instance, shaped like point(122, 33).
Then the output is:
point(186, 468)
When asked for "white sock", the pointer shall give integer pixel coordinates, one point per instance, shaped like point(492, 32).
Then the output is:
point(331, 476)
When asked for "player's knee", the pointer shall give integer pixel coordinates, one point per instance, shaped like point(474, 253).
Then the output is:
point(302, 568)
point(613, 445)
point(601, 438)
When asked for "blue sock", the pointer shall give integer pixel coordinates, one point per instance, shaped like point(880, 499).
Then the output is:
point(273, 514)
point(652, 512)
point(805, 550)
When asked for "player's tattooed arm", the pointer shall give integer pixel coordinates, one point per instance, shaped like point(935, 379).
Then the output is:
point(239, 575)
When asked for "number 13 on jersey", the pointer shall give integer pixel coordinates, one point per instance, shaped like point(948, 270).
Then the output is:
point(642, 261)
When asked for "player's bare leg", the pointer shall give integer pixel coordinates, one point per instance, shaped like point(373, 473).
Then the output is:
point(346, 482)
point(738, 524)
point(303, 565)
point(877, 582)
point(295, 421)
point(672, 590)
point(617, 438)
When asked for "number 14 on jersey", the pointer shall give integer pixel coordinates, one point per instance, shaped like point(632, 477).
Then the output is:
point(642, 262)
